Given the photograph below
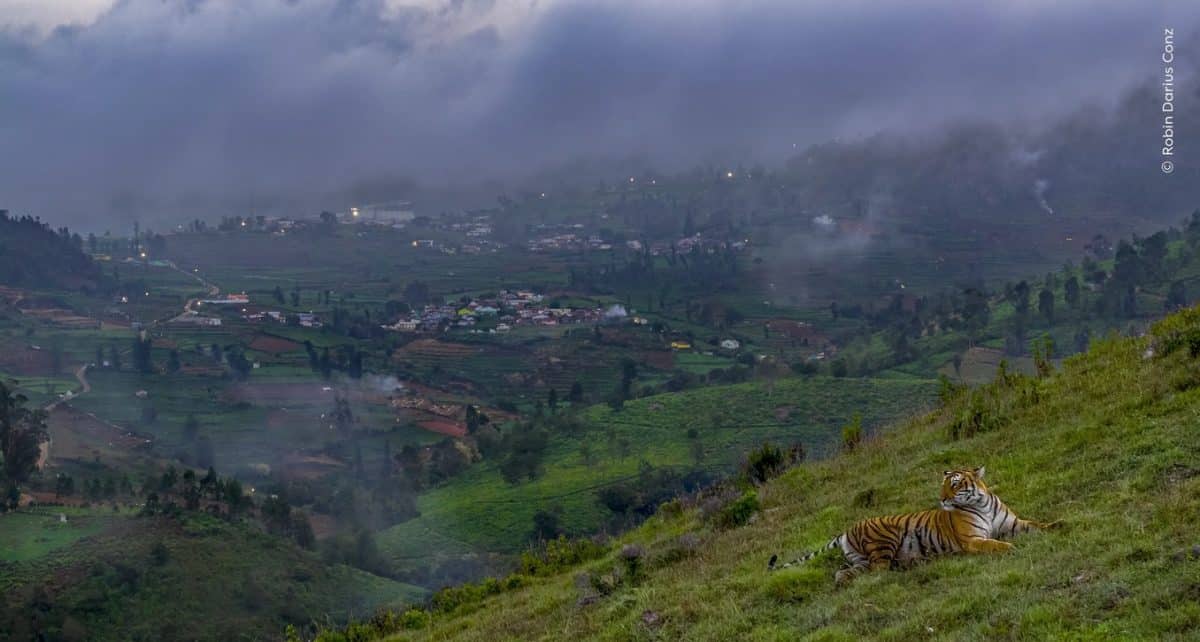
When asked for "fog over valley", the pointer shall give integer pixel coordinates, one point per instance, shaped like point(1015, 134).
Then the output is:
point(166, 110)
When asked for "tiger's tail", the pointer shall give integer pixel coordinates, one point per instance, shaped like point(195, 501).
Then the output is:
point(774, 565)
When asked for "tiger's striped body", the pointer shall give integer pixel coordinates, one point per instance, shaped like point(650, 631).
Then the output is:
point(971, 519)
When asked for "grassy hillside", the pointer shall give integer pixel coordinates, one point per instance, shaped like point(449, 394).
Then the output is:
point(1107, 444)
point(480, 507)
point(107, 574)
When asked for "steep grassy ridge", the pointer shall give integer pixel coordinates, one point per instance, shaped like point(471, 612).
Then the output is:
point(1108, 445)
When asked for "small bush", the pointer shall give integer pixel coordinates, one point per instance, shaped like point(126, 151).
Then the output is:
point(739, 512)
point(768, 461)
point(683, 547)
point(414, 619)
point(1178, 331)
point(559, 554)
point(852, 434)
point(632, 557)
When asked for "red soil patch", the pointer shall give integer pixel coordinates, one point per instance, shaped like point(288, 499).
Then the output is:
point(323, 526)
point(659, 359)
point(45, 497)
point(80, 436)
point(300, 466)
point(434, 349)
point(443, 427)
point(272, 344)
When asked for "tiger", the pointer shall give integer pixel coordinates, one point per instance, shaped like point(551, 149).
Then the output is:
point(970, 519)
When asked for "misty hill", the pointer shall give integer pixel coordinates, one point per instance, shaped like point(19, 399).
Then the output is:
point(34, 255)
point(98, 573)
point(1105, 444)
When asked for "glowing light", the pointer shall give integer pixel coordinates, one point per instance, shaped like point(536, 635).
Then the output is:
point(630, 179)
point(728, 174)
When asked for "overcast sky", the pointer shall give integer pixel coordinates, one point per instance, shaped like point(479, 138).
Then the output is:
point(149, 108)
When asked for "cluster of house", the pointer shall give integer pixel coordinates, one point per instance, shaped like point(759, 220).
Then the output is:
point(477, 227)
point(575, 240)
point(567, 241)
point(508, 309)
point(688, 244)
point(304, 319)
point(254, 314)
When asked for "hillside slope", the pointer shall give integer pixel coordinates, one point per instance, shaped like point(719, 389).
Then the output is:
point(1107, 444)
point(487, 513)
point(71, 573)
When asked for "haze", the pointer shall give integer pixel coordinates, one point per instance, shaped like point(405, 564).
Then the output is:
point(161, 110)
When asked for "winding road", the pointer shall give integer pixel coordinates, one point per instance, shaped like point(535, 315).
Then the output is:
point(81, 372)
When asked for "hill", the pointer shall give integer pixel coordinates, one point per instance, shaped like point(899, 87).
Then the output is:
point(34, 255)
point(1106, 444)
point(100, 573)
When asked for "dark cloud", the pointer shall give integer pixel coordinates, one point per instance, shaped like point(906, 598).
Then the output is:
point(166, 108)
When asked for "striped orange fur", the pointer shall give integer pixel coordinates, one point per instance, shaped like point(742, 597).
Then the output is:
point(970, 519)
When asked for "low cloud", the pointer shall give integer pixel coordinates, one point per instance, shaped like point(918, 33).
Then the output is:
point(160, 109)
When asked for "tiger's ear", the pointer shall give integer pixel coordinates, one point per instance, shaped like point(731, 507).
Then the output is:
point(979, 472)
point(947, 473)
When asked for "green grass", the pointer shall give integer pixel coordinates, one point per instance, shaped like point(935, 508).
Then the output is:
point(98, 578)
point(1107, 445)
point(478, 509)
point(27, 535)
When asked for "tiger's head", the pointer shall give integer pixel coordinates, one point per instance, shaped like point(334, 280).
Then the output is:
point(963, 488)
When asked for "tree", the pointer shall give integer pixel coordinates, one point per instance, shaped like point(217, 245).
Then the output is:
point(1020, 298)
point(1046, 304)
point(64, 486)
point(173, 364)
point(576, 394)
point(1127, 268)
point(1154, 256)
point(22, 432)
point(546, 525)
point(302, 530)
point(141, 355)
point(552, 400)
point(1176, 296)
point(342, 415)
point(1071, 292)
point(114, 357)
point(279, 295)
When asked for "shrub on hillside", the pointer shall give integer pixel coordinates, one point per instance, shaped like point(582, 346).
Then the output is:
point(852, 434)
point(559, 554)
point(768, 461)
point(1178, 331)
point(737, 512)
